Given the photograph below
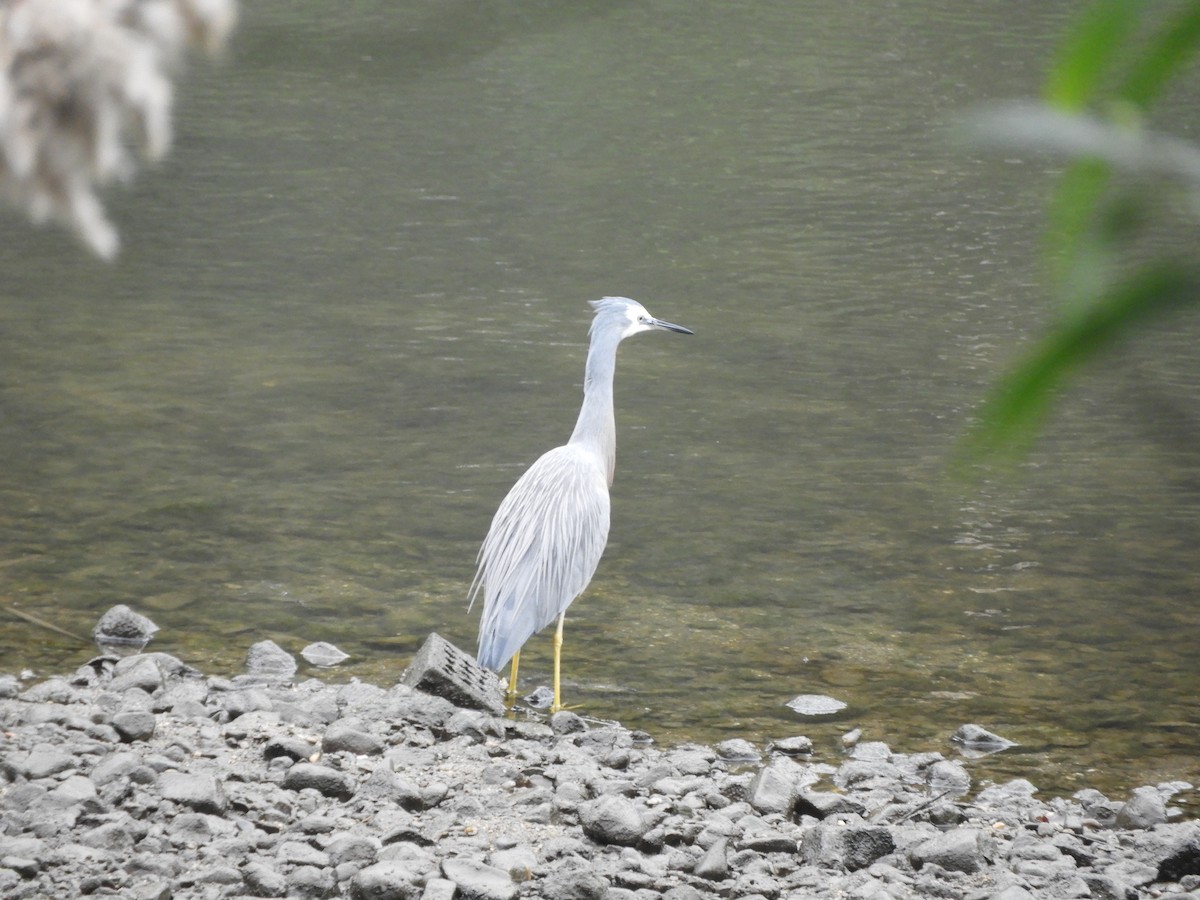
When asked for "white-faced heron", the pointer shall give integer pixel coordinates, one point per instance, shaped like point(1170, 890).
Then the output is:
point(548, 535)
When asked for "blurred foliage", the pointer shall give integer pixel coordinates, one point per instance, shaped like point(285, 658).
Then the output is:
point(1116, 62)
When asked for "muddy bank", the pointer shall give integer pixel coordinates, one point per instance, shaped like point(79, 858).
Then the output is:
point(143, 778)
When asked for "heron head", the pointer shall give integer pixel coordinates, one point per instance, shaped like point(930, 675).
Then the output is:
point(628, 317)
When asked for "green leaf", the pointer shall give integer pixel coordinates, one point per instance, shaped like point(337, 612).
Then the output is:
point(1091, 52)
point(1079, 193)
point(1163, 58)
point(1011, 415)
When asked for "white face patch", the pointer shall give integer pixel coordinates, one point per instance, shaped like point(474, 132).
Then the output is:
point(639, 320)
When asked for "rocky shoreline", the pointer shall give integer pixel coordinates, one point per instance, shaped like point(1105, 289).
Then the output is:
point(141, 778)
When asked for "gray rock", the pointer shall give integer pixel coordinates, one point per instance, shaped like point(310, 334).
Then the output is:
point(245, 702)
point(151, 889)
point(566, 722)
point(519, 862)
point(292, 748)
point(385, 881)
point(792, 746)
point(714, 864)
point(478, 726)
point(9, 687)
point(134, 725)
point(45, 761)
point(20, 797)
point(1144, 809)
point(202, 793)
point(864, 774)
point(26, 868)
point(876, 750)
point(323, 654)
point(1182, 860)
point(774, 789)
point(310, 882)
point(1013, 892)
point(329, 782)
point(612, 820)
point(815, 705)
point(479, 881)
point(574, 879)
point(1105, 887)
point(268, 660)
point(1012, 793)
point(823, 804)
point(112, 836)
point(978, 738)
point(170, 667)
point(350, 736)
point(849, 847)
point(566, 848)
point(737, 750)
point(1131, 872)
point(692, 760)
point(318, 824)
point(263, 881)
point(72, 790)
point(439, 889)
point(1098, 807)
point(300, 853)
point(139, 671)
point(57, 691)
point(358, 700)
point(418, 707)
point(606, 743)
point(541, 697)
point(121, 629)
point(183, 699)
point(22, 846)
point(384, 784)
point(352, 848)
point(758, 884)
point(769, 841)
point(191, 827)
point(961, 850)
point(948, 777)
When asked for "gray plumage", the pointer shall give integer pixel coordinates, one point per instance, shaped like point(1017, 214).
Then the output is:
point(549, 533)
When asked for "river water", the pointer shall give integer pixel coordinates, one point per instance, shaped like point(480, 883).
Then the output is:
point(351, 309)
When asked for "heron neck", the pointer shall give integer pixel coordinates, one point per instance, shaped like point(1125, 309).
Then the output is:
point(596, 427)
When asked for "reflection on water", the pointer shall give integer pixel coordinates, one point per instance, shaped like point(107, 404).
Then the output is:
point(351, 310)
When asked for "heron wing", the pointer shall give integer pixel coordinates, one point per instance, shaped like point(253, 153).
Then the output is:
point(541, 551)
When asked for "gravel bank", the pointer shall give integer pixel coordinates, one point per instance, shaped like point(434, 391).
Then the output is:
point(142, 778)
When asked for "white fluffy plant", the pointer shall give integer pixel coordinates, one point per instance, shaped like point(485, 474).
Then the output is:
point(82, 84)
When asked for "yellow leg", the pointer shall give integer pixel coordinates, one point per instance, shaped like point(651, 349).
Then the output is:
point(510, 696)
point(557, 705)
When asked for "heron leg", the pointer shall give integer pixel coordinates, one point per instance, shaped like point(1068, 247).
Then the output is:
point(510, 696)
point(558, 632)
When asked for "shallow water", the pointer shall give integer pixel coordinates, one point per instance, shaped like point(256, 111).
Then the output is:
point(351, 309)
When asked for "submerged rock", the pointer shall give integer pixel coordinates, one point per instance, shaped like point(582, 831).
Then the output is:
point(978, 739)
point(815, 705)
point(323, 655)
point(121, 631)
